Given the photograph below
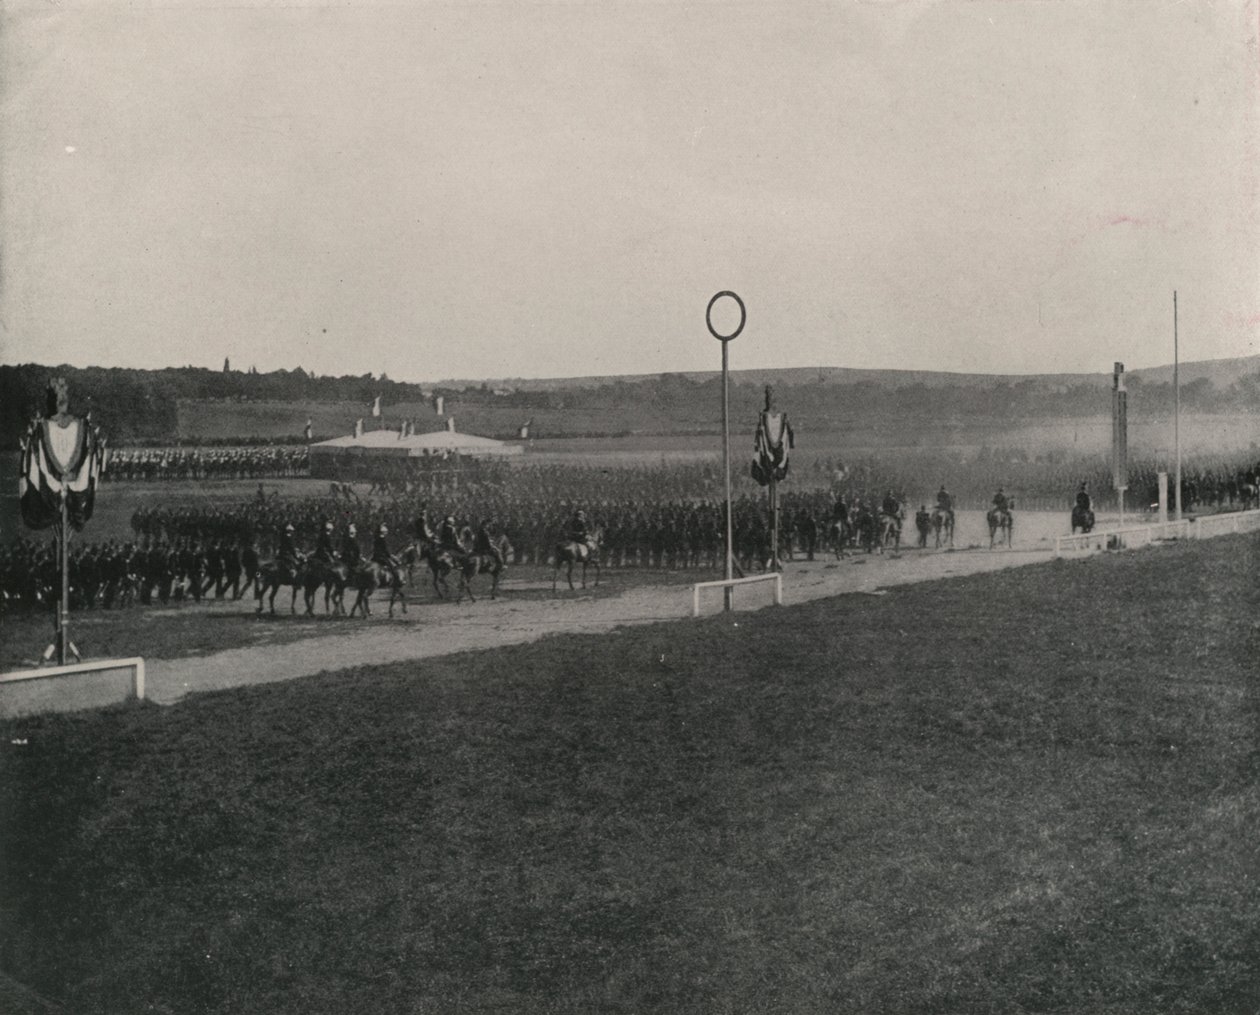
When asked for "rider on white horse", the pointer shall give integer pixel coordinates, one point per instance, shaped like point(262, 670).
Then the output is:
point(945, 503)
point(576, 533)
point(382, 556)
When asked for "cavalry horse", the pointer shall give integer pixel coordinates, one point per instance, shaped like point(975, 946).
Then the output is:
point(370, 576)
point(943, 526)
point(569, 553)
point(889, 531)
point(272, 576)
point(839, 535)
point(333, 578)
point(1083, 519)
point(473, 564)
point(1003, 522)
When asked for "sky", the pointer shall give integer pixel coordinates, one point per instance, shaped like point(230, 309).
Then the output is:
point(493, 190)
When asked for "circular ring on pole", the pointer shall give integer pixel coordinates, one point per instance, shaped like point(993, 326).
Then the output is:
point(708, 316)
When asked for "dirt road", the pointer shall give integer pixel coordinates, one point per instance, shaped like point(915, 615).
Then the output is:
point(433, 629)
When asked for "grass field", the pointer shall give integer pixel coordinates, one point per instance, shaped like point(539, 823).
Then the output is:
point(1030, 791)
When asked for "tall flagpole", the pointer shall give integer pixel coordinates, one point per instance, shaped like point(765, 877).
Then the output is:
point(729, 593)
point(1176, 411)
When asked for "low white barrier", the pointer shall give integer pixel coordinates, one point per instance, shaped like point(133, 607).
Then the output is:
point(773, 576)
point(1129, 537)
point(1232, 521)
point(70, 688)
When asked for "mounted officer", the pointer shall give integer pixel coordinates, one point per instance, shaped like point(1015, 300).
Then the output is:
point(382, 556)
point(287, 555)
point(944, 502)
point(324, 545)
point(351, 555)
point(576, 532)
point(484, 543)
point(1083, 502)
point(1000, 501)
point(448, 537)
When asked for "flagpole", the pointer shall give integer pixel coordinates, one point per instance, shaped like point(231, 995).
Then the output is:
point(63, 617)
point(729, 592)
point(1176, 410)
point(726, 470)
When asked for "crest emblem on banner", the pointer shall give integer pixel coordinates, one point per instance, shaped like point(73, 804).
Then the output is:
point(62, 456)
point(770, 447)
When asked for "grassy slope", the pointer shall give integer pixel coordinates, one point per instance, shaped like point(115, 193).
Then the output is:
point(1031, 791)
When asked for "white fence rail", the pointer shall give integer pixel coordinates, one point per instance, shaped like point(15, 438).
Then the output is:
point(773, 576)
point(1233, 521)
point(1133, 536)
point(70, 688)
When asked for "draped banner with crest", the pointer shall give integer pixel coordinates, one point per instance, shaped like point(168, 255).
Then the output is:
point(60, 454)
point(770, 447)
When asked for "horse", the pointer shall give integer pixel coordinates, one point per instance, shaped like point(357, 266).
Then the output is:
point(889, 531)
point(569, 553)
point(1082, 518)
point(1001, 521)
point(333, 577)
point(943, 526)
point(472, 564)
point(272, 576)
point(370, 576)
point(839, 536)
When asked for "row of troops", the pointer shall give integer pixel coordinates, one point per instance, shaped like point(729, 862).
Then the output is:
point(677, 533)
point(221, 463)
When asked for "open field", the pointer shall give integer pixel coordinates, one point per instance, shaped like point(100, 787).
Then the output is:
point(628, 430)
point(1029, 791)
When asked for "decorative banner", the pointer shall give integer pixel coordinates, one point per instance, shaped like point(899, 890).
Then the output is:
point(63, 454)
point(770, 447)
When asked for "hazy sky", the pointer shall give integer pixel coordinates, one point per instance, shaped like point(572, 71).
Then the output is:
point(462, 189)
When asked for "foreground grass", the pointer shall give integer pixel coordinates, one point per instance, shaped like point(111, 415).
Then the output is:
point(1028, 791)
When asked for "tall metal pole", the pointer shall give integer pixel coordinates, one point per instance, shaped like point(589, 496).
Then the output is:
point(1177, 410)
point(63, 607)
point(729, 596)
point(729, 592)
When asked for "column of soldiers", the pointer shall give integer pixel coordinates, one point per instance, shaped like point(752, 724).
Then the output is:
point(170, 464)
point(648, 518)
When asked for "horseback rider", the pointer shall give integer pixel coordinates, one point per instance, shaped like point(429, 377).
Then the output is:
point(287, 555)
point(448, 537)
point(351, 555)
point(382, 556)
point(1000, 502)
point(484, 543)
point(1083, 502)
point(324, 545)
point(421, 528)
point(576, 532)
point(944, 502)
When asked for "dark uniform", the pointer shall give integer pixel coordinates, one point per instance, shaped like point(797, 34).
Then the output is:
point(324, 545)
point(350, 552)
point(484, 544)
point(287, 553)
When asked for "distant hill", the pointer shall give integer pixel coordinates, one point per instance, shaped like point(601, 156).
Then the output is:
point(1221, 373)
